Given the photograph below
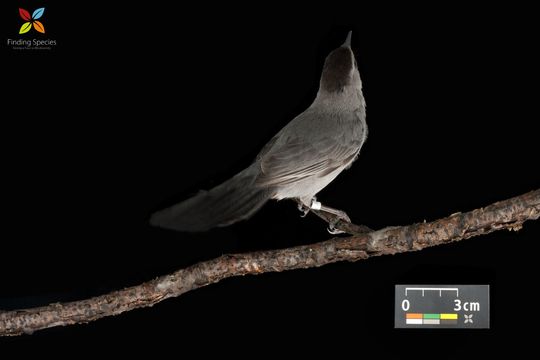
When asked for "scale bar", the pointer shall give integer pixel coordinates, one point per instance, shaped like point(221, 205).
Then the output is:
point(439, 289)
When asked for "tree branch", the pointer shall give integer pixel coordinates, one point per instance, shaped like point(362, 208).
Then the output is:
point(508, 214)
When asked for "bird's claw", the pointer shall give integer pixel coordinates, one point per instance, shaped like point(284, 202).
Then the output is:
point(332, 229)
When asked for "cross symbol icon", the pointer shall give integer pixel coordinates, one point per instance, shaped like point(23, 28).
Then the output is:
point(468, 319)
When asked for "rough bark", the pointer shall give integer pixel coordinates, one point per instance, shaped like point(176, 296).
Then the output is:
point(508, 214)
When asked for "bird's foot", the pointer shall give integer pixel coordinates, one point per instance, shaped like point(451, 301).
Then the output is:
point(340, 216)
point(303, 209)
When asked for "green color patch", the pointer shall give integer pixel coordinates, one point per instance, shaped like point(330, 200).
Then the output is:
point(432, 316)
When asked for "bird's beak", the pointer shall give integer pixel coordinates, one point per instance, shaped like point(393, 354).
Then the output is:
point(348, 40)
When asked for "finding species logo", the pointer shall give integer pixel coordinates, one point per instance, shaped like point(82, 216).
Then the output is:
point(31, 20)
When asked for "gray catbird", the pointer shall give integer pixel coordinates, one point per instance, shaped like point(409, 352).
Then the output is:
point(304, 157)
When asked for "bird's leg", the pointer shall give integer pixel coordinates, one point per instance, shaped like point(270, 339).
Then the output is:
point(341, 215)
point(317, 206)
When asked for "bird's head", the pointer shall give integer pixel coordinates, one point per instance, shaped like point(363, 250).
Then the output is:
point(340, 70)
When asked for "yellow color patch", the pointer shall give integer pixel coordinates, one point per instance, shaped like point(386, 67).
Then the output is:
point(449, 316)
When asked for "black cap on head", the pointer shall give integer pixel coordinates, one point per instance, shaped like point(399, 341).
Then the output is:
point(338, 67)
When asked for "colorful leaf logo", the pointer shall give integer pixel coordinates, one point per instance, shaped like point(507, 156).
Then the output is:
point(38, 13)
point(39, 27)
point(25, 27)
point(24, 14)
point(31, 20)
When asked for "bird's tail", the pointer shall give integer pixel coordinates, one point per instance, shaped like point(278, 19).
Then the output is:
point(236, 199)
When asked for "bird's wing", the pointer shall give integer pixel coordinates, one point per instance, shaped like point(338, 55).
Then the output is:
point(296, 159)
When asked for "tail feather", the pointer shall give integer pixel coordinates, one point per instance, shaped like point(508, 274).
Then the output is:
point(236, 199)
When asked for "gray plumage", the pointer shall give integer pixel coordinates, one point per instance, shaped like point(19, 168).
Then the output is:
point(302, 159)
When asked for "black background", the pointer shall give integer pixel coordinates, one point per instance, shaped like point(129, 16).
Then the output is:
point(140, 106)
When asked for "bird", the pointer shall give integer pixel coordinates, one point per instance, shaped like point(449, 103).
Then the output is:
point(299, 161)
